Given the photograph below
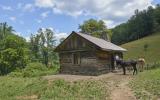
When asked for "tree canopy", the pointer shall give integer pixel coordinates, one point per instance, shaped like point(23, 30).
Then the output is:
point(141, 24)
point(96, 28)
point(13, 50)
point(42, 45)
point(16, 53)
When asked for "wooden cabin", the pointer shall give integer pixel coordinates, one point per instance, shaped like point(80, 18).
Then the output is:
point(84, 54)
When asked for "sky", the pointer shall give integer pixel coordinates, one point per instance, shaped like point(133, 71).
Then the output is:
point(64, 16)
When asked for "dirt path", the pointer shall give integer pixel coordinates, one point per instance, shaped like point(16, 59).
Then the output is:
point(121, 91)
point(115, 82)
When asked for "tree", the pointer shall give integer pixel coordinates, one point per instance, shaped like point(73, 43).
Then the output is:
point(14, 55)
point(157, 13)
point(13, 50)
point(95, 28)
point(42, 46)
point(141, 24)
point(34, 47)
point(4, 31)
point(47, 44)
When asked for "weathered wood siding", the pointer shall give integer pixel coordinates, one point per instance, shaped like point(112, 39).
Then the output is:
point(90, 60)
point(86, 65)
point(76, 43)
point(90, 63)
point(103, 61)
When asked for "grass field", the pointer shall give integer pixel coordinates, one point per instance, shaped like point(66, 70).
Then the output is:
point(146, 85)
point(37, 88)
point(136, 48)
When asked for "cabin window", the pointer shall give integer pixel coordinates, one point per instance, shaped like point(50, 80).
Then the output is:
point(76, 59)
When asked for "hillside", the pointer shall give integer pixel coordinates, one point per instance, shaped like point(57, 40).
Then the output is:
point(136, 48)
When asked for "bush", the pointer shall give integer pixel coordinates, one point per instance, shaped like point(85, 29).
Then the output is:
point(33, 70)
point(35, 66)
point(15, 74)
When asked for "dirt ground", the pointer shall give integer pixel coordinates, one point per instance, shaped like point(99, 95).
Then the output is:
point(121, 91)
point(116, 82)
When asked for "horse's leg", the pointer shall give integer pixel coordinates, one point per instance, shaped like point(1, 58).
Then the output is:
point(124, 70)
point(134, 69)
point(140, 67)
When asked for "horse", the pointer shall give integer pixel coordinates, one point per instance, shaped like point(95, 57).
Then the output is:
point(141, 63)
point(125, 64)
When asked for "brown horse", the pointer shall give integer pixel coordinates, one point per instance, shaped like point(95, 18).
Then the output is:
point(141, 63)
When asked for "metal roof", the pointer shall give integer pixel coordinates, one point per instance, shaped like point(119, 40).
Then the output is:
point(103, 44)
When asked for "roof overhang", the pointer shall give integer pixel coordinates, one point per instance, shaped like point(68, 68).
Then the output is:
point(119, 49)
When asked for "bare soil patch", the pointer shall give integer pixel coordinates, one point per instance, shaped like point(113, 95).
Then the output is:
point(72, 78)
point(121, 91)
point(32, 97)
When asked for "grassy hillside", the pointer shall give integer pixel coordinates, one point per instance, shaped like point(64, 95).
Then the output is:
point(136, 48)
point(146, 85)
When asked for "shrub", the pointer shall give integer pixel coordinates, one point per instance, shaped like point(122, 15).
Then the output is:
point(34, 69)
point(15, 74)
point(36, 66)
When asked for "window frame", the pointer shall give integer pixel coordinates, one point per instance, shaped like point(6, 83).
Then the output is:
point(78, 58)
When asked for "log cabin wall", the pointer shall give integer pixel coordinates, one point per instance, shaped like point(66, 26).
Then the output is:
point(88, 62)
point(103, 61)
point(78, 56)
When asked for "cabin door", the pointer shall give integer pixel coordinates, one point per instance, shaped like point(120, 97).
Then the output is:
point(112, 62)
point(76, 58)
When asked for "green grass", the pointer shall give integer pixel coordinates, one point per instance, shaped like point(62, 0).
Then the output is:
point(146, 85)
point(136, 48)
point(12, 88)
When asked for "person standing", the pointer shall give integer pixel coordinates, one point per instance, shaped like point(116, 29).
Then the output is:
point(115, 60)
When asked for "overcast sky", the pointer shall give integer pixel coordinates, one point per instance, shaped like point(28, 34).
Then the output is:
point(64, 16)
